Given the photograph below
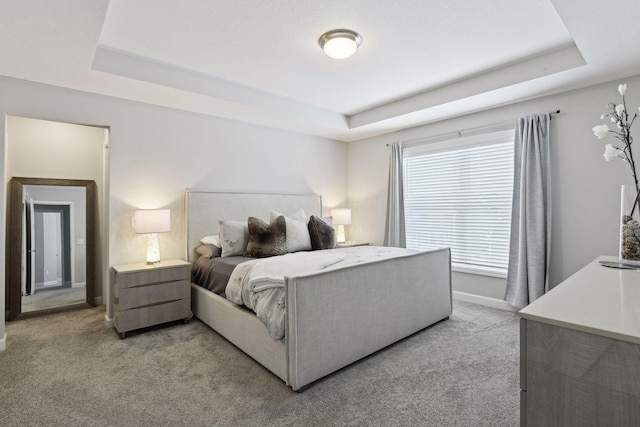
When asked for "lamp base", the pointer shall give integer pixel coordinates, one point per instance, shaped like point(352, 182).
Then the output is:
point(153, 249)
point(340, 234)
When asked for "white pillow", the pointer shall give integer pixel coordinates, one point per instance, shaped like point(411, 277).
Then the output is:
point(297, 232)
point(234, 237)
point(211, 240)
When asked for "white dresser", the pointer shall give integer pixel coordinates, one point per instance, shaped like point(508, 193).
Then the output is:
point(580, 351)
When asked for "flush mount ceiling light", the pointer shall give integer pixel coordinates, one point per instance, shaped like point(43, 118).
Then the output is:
point(340, 44)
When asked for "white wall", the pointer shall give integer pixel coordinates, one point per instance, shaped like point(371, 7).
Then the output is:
point(49, 149)
point(585, 188)
point(156, 153)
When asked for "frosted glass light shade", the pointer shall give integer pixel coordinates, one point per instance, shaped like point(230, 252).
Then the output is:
point(339, 44)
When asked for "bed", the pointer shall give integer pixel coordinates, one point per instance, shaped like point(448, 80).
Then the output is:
point(333, 318)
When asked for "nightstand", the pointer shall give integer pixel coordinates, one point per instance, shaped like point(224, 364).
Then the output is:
point(351, 243)
point(147, 295)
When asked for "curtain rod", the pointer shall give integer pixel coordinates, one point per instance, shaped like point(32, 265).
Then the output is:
point(459, 132)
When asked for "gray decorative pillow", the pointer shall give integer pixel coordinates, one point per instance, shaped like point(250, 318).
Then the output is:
point(323, 236)
point(267, 239)
point(234, 236)
point(209, 251)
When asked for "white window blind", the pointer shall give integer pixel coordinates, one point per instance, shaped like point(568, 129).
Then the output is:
point(458, 194)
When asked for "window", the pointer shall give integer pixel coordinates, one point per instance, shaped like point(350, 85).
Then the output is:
point(458, 194)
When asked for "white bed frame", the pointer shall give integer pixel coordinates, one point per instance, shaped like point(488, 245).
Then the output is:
point(333, 318)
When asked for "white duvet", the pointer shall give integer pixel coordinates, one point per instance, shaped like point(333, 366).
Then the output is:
point(259, 284)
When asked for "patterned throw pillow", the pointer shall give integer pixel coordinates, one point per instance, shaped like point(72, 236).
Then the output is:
point(234, 236)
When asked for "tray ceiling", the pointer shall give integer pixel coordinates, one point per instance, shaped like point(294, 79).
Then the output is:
point(259, 62)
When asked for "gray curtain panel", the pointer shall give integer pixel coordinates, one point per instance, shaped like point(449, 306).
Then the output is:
point(394, 234)
point(527, 277)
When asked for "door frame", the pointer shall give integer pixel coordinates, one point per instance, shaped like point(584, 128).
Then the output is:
point(13, 274)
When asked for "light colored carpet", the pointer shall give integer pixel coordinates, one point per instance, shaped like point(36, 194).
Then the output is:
point(68, 369)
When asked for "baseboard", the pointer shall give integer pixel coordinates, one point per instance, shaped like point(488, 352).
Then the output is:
point(479, 299)
point(3, 343)
point(44, 285)
point(97, 301)
point(79, 285)
point(108, 321)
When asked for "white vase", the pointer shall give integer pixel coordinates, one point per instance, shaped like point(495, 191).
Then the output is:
point(629, 225)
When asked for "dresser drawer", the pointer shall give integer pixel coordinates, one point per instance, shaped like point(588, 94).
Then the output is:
point(150, 276)
point(136, 318)
point(143, 295)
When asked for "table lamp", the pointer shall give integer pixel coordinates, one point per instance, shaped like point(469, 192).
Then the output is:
point(341, 217)
point(152, 222)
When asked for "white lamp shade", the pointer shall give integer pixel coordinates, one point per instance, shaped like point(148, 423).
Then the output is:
point(152, 221)
point(341, 216)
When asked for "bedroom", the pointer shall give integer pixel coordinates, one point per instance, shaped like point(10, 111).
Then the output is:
point(151, 160)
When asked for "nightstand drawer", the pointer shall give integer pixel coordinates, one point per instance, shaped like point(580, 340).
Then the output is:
point(140, 296)
point(146, 295)
point(152, 275)
point(136, 318)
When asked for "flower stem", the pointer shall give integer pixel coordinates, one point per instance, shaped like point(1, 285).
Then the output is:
point(625, 136)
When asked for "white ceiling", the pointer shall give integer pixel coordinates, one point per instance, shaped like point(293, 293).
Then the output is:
point(258, 61)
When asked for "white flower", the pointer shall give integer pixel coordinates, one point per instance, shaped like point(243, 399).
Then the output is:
point(611, 152)
point(622, 89)
point(619, 109)
point(600, 131)
point(604, 115)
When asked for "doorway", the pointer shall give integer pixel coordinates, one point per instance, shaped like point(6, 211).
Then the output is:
point(53, 258)
point(29, 218)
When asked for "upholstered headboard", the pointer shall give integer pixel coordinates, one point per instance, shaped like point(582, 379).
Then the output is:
point(205, 208)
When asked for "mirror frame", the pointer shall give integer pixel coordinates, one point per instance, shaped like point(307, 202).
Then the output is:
point(13, 261)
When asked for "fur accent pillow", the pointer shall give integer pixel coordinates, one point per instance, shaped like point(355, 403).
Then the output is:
point(323, 236)
point(266, 239)
point(297, 233)
point(234, 236)
point(209, 251)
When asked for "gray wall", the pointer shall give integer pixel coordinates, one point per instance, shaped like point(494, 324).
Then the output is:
point(585, 188)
